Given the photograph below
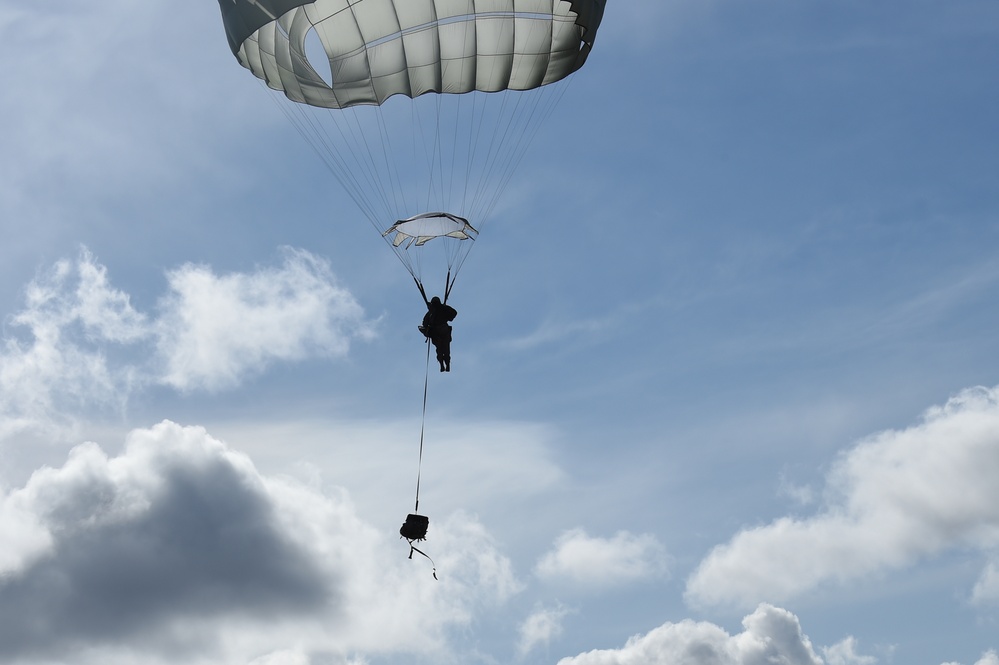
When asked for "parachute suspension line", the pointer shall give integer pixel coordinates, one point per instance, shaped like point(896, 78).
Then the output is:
point(432, 151)
point(510, 140)
point(436, 174)
point(419, 128)
point(324, 151)
point(494, 147)
point(475, 130)
point(452, 166)
point(391, 166)
point(352, 136)
point(475, 125)
point(423, 422)
point(448, 283)
point(423, 293)
point(548, 99)
point(343, 172)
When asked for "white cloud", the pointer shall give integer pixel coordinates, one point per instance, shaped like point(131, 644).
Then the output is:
point(771, 636)
point(986, 589)
point(595, 563)
point(540, 628)
point(70, 310)
point(895, 497)
point(988, 658)
point(86, 346)
point(179, 549)
point(215, 330)
point(844, 652)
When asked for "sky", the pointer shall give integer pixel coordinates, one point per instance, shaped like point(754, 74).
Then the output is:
point(723, 387)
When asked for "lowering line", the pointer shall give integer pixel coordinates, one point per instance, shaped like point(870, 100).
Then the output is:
point(423, 423)
point(415, 527)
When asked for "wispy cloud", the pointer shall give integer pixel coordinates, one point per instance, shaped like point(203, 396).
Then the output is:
point(593, 563)
point(844, 652)
point(542, 626)
point(894, 498)
point(986, 589)
point(551, 332)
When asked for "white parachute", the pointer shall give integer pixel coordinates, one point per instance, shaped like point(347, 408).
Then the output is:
point(417, 106)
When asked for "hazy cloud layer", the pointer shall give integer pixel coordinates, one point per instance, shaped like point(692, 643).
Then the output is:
point(81, 129)
point(589, 562)
point(78, 343)
point(180, 547)
point(892, 499)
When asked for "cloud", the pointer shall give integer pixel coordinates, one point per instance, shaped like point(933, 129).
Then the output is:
point(179, 549)
point(844, 652)
point(895, 497)
point(177, 528)
point(214, 330)
point(80, 127)
point(551, 332)
point(771, 636)
point(84, 345)
point(986, 589)
point(596, 563)
point(70, 311)
point(540, 628)
point(988, 658)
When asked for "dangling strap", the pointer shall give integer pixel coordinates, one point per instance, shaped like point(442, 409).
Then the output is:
point(415, 549)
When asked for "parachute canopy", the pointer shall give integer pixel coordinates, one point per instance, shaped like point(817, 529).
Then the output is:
point(363, 72)
point(380, 48)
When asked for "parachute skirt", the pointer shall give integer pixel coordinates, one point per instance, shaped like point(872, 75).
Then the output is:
point(421, 229)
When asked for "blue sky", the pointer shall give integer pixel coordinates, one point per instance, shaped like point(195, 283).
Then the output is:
point(723, 386)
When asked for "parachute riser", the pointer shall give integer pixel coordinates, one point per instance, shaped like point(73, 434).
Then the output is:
point(448, 284)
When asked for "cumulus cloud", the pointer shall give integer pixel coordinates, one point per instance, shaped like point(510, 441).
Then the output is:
point(988, 658)
point(892, 499)
point(83, 344)
point(595, 563)
point(771, 636)
point(180, 549)
point(216, 329)
point(540, 628)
